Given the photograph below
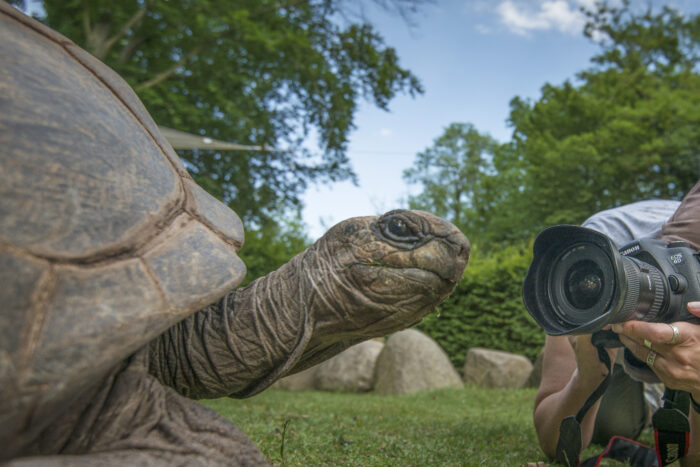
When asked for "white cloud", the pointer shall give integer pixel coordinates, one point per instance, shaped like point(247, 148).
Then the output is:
point(385, 132)
point(561, 15)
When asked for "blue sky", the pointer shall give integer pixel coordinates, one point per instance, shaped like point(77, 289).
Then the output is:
point(472, 58)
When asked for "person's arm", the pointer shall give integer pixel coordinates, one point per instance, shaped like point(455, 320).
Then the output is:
point(571, 371)
point(677, 365)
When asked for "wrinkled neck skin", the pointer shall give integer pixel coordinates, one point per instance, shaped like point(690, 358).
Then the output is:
point(354, 296)
point(351, 285)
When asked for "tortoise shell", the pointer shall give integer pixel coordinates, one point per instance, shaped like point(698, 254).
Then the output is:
point(105, 240)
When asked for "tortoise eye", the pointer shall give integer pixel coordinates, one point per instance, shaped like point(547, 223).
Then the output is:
point(398, 227)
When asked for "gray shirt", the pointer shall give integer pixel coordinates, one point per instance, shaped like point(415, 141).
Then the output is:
point(632, 221)
point(623, 225)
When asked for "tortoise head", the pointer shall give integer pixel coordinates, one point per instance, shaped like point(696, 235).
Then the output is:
point(366, 277)
point(376, 275)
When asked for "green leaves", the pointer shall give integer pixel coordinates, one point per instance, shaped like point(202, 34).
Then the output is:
point(454, 173)
point(272, 245)
point(627, 131)
point(257, 72)
point(664, 42)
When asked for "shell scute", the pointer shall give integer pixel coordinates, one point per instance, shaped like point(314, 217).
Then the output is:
point(101, 246)
point(80, 176)
point(211, 266)
point(214, 214)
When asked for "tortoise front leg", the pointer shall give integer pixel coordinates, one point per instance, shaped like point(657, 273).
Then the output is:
point(133, 420)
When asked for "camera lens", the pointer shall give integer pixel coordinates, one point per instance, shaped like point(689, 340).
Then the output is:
point(581, 284)
point(584, 284)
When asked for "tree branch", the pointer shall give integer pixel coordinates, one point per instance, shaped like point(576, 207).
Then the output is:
point(130, 47)
point(104, 48)
point(160, 77)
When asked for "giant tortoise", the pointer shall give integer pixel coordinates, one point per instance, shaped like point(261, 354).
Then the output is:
point(118, 272)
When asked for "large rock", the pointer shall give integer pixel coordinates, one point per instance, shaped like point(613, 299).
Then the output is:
point(411, 362)
point(302, 381)
point(351, 370)
point(496, 369)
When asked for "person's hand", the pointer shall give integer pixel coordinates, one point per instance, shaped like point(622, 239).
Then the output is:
point(590, 368)
point(675, 361)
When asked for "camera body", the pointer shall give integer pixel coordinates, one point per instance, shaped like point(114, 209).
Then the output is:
point(579, 282)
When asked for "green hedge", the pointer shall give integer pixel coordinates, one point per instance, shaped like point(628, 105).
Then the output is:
point(486, 309)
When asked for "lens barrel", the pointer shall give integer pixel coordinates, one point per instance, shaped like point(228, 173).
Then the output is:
point(647, 293)
point(578, 283)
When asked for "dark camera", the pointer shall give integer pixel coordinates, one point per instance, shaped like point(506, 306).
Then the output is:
point(579, 282)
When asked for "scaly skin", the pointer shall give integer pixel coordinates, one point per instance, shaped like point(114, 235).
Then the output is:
point(366, 277)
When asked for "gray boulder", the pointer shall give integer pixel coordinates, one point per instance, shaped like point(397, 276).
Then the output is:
point(411, 362)
point(351, 370)
point(496, 369)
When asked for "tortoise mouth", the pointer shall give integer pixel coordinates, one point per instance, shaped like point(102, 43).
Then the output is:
point(413, 270)
point(399, 296)
point(398, 283)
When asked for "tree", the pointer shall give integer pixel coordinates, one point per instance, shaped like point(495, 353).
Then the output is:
point(662, 43)
point(261, 72)
point(629, 131)
point(453, 173)
point(273, 244)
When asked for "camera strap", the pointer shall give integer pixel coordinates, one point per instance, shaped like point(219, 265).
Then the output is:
point(569, 444)
point(670, 422)
point(671, 427)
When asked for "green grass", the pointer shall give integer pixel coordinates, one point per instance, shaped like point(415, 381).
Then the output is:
point(449, 427)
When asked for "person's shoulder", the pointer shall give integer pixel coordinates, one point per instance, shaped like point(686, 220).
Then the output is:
point(632, 221)
point(656, 208)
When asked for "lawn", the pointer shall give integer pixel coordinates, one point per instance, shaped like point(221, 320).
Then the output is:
point(449, 427)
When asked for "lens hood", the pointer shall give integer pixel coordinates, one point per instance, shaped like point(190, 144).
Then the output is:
point(557, 249)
